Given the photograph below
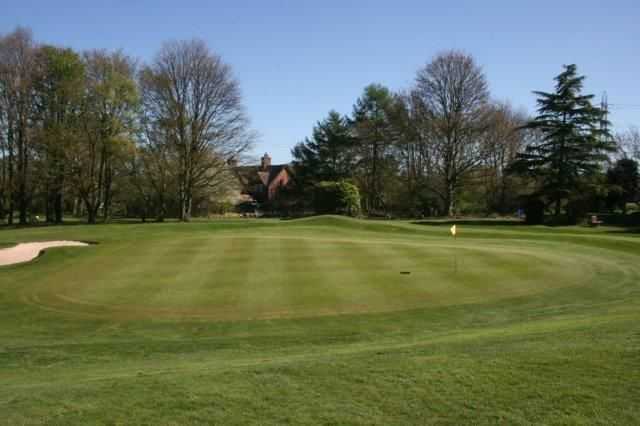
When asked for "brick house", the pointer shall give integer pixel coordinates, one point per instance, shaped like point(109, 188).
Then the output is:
point(263, 182)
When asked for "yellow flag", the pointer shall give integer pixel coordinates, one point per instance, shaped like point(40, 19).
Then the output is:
point(453, 230)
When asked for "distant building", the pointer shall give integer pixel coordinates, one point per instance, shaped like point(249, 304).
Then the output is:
point(263, 182)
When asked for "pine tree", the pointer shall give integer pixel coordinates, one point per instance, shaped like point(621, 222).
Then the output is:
point(374, 134)
point(328, 155)
point(573, 143)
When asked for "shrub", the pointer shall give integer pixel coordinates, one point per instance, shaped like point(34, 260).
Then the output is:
point(534, 211)
point(339, 197)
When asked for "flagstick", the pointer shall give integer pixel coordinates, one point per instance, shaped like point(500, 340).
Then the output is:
point(455, 254)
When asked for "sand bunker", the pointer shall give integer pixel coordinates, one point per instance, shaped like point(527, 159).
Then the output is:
point(28, 251)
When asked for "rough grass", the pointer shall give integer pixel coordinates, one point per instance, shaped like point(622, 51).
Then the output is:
point(311, 321)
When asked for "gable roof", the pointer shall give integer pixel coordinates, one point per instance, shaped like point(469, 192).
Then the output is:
point(274, 171)
point(255, 175)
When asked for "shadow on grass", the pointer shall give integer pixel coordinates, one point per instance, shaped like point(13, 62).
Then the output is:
point(471, 222)
point(624, 230)
point(73, 223)
point(606, 229)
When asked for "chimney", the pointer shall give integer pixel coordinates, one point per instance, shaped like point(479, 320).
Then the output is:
point(266, 162)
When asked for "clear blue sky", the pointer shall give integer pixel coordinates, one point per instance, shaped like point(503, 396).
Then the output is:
point(296, 60)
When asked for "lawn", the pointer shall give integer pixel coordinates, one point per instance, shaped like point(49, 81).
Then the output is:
point(323, 320)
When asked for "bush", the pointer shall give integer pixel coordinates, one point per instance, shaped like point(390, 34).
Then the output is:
point(619, 219)
point(577, 210)
point(534, 211)
point(339, 197)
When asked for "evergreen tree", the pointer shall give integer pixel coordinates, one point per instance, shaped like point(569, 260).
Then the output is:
point(373, 129)
point(328, 155)
point(624, 183)
point(573, 142)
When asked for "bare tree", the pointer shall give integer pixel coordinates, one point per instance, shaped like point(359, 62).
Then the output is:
point(153, 169)
point(415, 153)
point(502, 142)
point(454, 95)
point(5, 189)
point(629, 143)
point(193, 102)
point(17, 58)
point(5, 183)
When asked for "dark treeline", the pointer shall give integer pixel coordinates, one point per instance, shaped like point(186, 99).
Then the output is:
point(444, 147)
point(95, 133)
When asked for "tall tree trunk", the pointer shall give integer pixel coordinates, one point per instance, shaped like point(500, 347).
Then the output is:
point(450, 193)
point(91, 216)
point(23, 167)
point(374, 177)
point(161, 207)
point(185, 211)
point(108, 181)
point(58, 207)
point(10, 173)
point(186, 190)
point(58, 199)
point(558, 207)
point(92, 211)
point(451, 201)
point(3, 183)
point(48, 202)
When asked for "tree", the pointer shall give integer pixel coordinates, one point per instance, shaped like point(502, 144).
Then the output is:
point(152, 171)
point(192, 102)
point(502, 142)
point(6, 160)
point(339, 197)
point(373, 133)
point(328, 155)
point(58, 88)
point(573, 143)
point(453, 95)
point(629, 143)
point(415, 156)
point(624, 180)
point(108, 128)
point(17, 61)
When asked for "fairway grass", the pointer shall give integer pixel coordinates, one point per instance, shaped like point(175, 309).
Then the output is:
point(323, 320)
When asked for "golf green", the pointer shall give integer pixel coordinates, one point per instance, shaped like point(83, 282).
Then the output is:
point(321, 320)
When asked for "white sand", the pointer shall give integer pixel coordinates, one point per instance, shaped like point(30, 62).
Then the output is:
point(28, 251)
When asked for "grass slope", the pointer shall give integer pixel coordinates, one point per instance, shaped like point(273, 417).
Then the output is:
point(311, 321)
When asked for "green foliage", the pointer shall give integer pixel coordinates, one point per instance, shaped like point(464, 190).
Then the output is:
point(113, 98)
point(534, 211)
point(59, 82)
point(328, 155)
point(573, 142)
point(624, 181)
point(339, 197)
point(92, 134)
point(373, 116)
point(589, 197)
point(110, 116)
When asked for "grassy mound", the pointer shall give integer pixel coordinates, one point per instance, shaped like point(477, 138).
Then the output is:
point(322, 320)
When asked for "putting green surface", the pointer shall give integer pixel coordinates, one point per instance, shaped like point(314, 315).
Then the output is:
point(322, 320)
point(235, 277)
